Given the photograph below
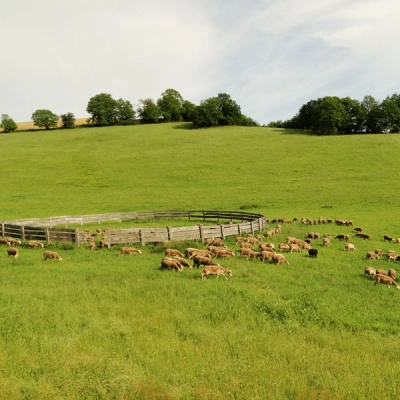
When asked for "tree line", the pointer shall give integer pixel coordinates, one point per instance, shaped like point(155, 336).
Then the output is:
point(332, 115)
point(104, 110)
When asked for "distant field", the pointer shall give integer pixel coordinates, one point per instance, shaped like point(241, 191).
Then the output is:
point(99, 325)
point(29, 125)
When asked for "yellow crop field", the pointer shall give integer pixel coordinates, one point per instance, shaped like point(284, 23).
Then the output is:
point(22, 126)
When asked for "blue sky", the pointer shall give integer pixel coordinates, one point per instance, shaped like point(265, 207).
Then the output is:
point(269, 56)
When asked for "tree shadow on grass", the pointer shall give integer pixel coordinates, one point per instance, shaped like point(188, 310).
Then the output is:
point(184, 126)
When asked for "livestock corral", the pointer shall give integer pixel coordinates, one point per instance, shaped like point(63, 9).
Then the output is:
point(255, 238)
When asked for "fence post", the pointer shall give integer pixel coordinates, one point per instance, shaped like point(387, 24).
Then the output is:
point(2, 230)
point(169, 233)
point(222, 232)
point(77, 241)
point(142, 239)
point(22, 232)
point(252, 228)
point(47, 235)
point(201, 233)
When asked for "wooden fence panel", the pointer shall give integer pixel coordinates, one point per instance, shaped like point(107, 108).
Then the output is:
point(184, 233)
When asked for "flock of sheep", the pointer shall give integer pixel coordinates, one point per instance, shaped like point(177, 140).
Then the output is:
point(249, 247)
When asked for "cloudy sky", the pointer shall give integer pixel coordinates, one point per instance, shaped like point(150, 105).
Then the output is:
point(269, 56)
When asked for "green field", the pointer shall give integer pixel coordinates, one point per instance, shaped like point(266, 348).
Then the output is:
point(101, 326)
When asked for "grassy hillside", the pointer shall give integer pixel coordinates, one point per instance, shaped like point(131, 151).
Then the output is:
point(100, 325)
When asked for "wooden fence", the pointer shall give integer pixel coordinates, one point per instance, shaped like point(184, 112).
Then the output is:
point(42, 228)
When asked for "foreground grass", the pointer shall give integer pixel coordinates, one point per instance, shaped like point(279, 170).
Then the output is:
point(98, 325)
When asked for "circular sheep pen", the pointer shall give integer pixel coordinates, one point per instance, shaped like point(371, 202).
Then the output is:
point(229, 223)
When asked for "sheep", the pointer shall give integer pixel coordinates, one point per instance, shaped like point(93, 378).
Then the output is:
point(173, 252)
point(326, 242)
point(246, 246)
point(129, 250)
point(265, 255)
point(12, 251)
point(349, 247)
point(244, 251)
point(363, 235)
point(223, 252)
point(92, 244)
point(215, 242)
point(342, 237)
point(5, 241)
point(372, 256)
point(171, 263)
point(215, 270)
point(294, 247)
point(200, 252)
point(379, 252)
point(279, 259)
point(283, 247)
point(392, 273)
point(267, 246)
point(240, 239)
point(199, 260)
point(386, 280)
point(388, 238)
point(33, 244)
point(252, 254)
point(252, 240)
point(51, 255)
point(184, 262)
point(305, 246)
point(313, 253)
point(12, 241)
point(369, 271)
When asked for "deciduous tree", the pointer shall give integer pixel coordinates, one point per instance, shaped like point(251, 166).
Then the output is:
point(67, 120)
point(8, 124)
point(45, 119)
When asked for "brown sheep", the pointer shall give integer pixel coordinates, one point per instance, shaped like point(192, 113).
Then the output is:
point(326, 242)
point(388, 238)
point(252, 254)
point(392, 273)
point(51, 255)
point(294, 247)
point(244, 251)
point(183, 261)
point(215, 270)
point(171, 263)
point(265, 255)
point(223, 252)
point(5, 241)
point(173, 252)
point(280, 259)
point(283, 247)
point(349, 247)
point(369, 271)
point(246, 246)
point(363, 235)
point(12, 251)
point(200, 252)
point(199, 260)
point(12, 241)
point(342, 237)
point(33, 244)
point(129, 250)
point(386, 280)
point(372, 256)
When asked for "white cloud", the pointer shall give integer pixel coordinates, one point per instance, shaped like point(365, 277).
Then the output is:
point(271, 57)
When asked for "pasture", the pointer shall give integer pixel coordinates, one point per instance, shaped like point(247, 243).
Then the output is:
point(100, 325)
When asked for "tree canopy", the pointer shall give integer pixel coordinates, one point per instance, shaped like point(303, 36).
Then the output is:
point(333, 115)
point(8, 124)
point(45, 119)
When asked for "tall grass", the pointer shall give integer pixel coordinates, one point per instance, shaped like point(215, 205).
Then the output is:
point(100, 325)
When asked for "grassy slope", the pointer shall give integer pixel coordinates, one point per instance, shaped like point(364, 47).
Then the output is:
point(102, 326)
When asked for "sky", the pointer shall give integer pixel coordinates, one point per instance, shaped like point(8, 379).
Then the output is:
point(271, 57)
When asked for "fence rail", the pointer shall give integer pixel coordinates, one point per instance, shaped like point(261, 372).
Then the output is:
point(42, 228)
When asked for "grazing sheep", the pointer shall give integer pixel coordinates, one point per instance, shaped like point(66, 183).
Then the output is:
point(392, 273)
point(240, 239)
point(173, 252)
point(379, 252)
point(252, 254)
point(12, 251)
point(215, 270)
point(388, 238)
point(5, 241)
point(267, 246)
point(199, 260)
point(349, 247)
point(265, 255)
point(215, 242)
point(51, 255)
point(363, 235)
point(184, 262)
point(313, 253)
point(246, 246)
point(342, 237)
point(129, 250)
point(370, 271)
point(201, 252)
point(33, 244)
point(92, 244)
point(326, 242)
point(12, 241)
point(223, 252)
point(171, 263)
point(386, 280)
point(372, 256)
point(293, 247)
point(283, 247)
point(244, 251)
point(279, 259)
